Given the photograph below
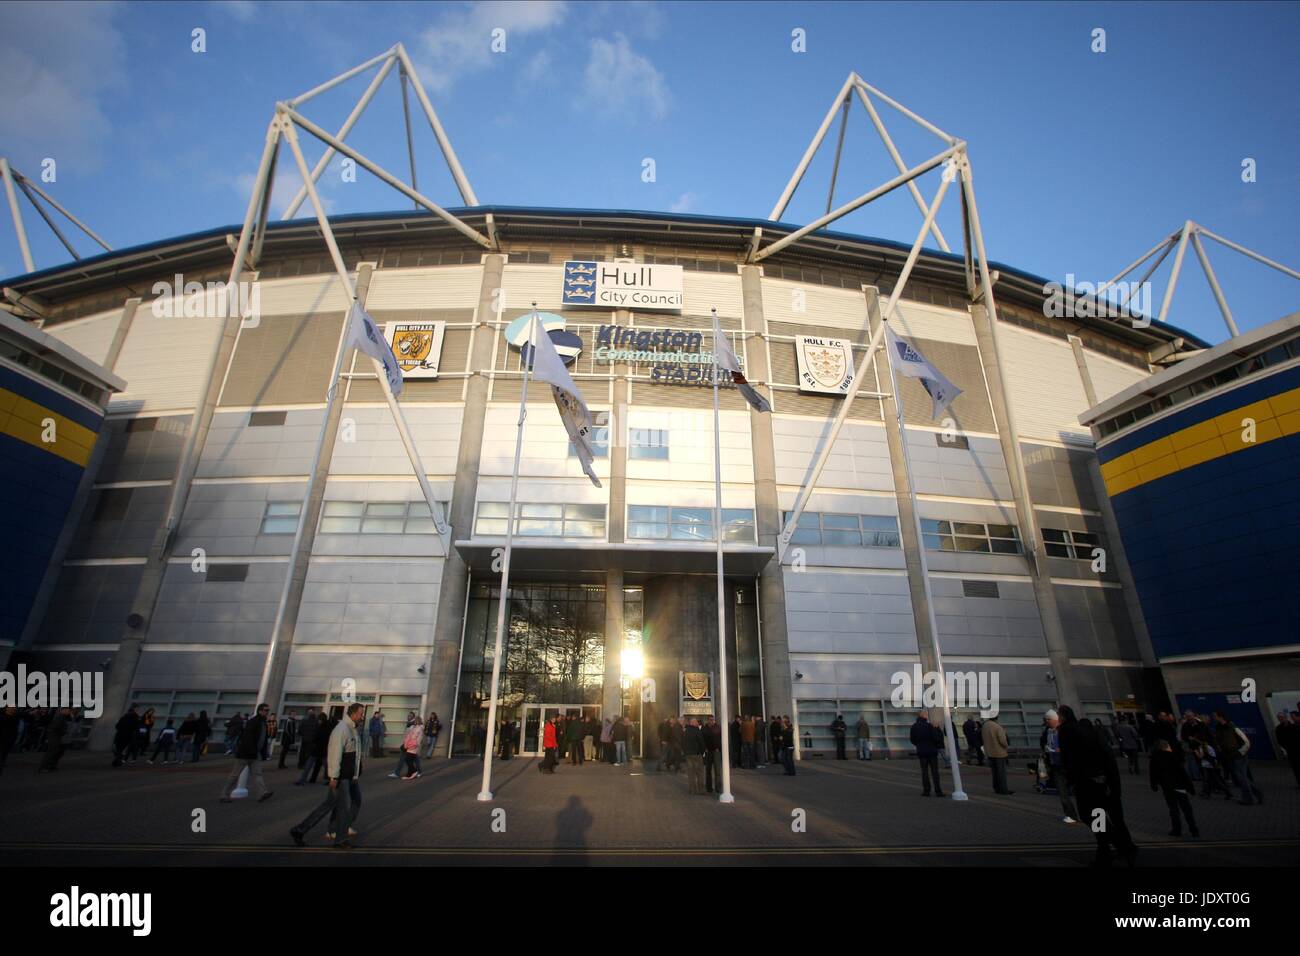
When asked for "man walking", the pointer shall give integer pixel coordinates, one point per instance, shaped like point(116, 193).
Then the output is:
point(993, 739)
point(619, 734)
point(1233, 746)
point(693, 747)
point(248, 756)
point(307, 737)
point(128, 728)
point(55, 740)
point(1130, 744)
point(432, 727)
point(712, 755)
point(1288, 739)
point(748, 758)
point(786, 738)
point(1049, 742)
point(928, 741)
point(343, 769)
point(1091, 769)
point(974, 740)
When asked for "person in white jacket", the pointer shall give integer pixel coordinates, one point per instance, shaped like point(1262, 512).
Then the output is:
point(343, 759)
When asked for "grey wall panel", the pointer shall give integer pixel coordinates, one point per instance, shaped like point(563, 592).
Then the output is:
point(848, 613)
point(199, 670)
point(961, 363)
point(376, 447)
point(370, 602)
point(193, 609)
point(1059, 476)
point(142, 454)
point(984, 626)
point(127, 537)
point(90, 604)
point(237, 449)
point(226, 519)
point(977, 472)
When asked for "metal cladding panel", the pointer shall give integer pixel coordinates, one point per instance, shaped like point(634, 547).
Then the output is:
point(918, 320)
point(308, 295)
point(1109, 376)
point(453, 360)
point(284, 360)
point(704, 291)
point(1213, 548)
point(164, 361)
point(90, 336)
point(447, 287)
point(1043, 382)
point(859, 460)
point(522, 285)
point(961, 363)
point(808, 304)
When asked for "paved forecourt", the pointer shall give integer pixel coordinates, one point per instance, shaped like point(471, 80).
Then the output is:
point(832, 811)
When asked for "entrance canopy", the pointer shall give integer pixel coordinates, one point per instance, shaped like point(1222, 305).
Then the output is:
point(566, 559)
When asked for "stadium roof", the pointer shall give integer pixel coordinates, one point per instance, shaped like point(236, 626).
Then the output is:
point(119, 268)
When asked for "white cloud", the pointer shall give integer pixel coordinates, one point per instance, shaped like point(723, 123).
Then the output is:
point(538, 68)
point(245, 11)
point(683, 203)
point(625, 78)
point(461, 42)
point(59, 64)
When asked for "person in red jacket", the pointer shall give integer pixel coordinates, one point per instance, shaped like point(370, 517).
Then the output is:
point(550, 743)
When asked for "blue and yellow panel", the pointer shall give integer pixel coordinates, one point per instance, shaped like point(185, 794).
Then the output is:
point(38, 481)
point(1211, 523)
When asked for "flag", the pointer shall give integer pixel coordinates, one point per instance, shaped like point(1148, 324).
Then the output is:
point(725, 358)
point(364, 335)
point(547, 367)
point(912, 364)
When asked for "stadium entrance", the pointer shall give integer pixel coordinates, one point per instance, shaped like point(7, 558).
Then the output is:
point(536, 716)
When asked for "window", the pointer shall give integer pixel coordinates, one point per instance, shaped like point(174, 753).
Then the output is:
point(979, 589)
point(1070, 544)
point(281, 517)
point(227, 573)
point(257, 419)
point(377, 517)
point(542, 519)
point(112, 504)
point(650, 443)
point(599, 436)
point(689, 524)
point(845, 530)
point(970, 537)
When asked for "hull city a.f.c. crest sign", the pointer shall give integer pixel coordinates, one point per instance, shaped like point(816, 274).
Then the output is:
point(417, 346)
point(696, 685)
point(825, 365)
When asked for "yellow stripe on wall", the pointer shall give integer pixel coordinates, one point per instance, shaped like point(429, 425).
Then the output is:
point(23, 419)
point(1275, 417)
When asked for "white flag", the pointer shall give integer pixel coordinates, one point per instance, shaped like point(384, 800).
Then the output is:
point(912, 364)
point(725, 358)
point(363, 334)
point(548, 367)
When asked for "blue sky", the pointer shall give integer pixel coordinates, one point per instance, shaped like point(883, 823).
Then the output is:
point(1082, 160)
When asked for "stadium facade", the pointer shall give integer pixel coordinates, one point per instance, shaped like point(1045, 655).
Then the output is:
point(386, 613)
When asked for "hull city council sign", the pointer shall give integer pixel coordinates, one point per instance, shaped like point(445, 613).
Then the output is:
point(622, 285)
point(825, 365)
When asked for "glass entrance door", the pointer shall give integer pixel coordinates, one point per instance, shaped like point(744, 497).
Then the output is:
point(535, 716)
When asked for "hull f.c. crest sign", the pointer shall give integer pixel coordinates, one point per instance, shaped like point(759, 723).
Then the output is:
point(825, 365)
point(417, 346)
point(696, 685)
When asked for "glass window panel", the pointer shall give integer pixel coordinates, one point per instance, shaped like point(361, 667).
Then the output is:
point(643, 529)
point(931, 526)
point(584, 512)
point(283, 507)
point(648, 513)
point(962, 527)
point(1003, 546)
point(1056, 550)
point(386, 509)
point(340, 525)
point(490, 526)
point(539, 527)
point(280, 525)
point(1049, 534)
point(692, 532)
point(493, 509)
point(1084, 537)
point(935, 543)
point(882, 539)
point(540, 510)
point(340, 508)
point(692, 516)
point(584, 529)
point(879, 523)
point(1002, 531)
point(833, 522)
point(972, 544)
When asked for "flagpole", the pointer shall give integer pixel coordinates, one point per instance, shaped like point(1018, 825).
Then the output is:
point(957, 792)
point(725, 796)
point(503, 601)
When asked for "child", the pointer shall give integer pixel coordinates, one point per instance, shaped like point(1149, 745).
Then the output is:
point(1210, 770)
point(1169, 775)
point(165, 740)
